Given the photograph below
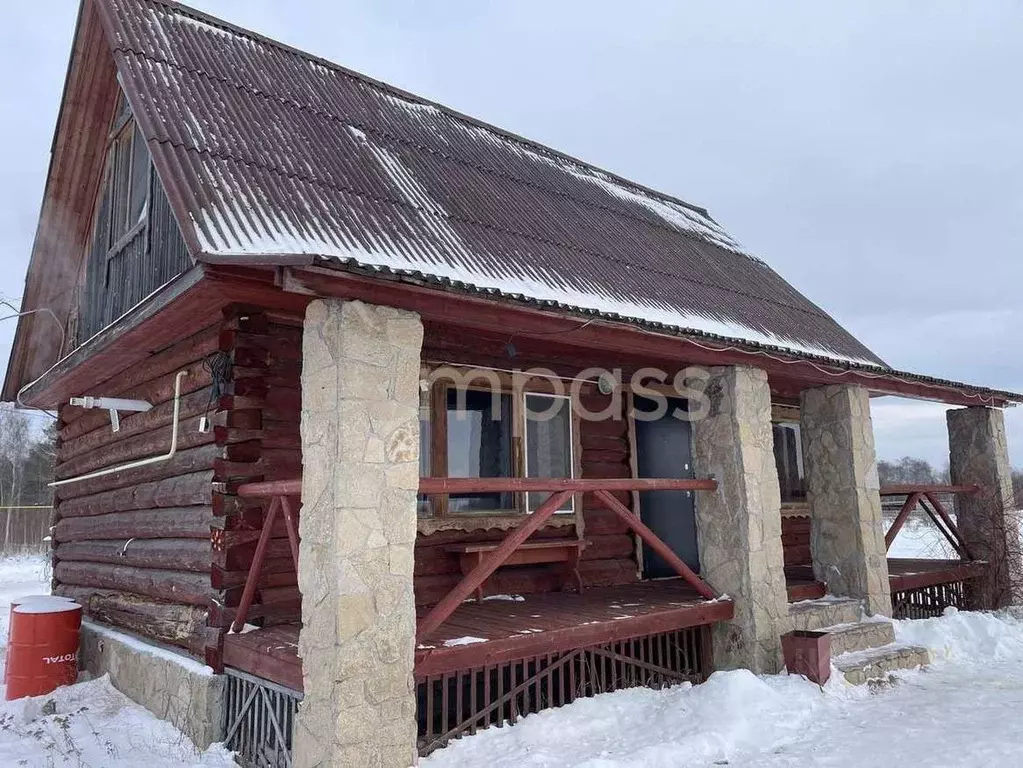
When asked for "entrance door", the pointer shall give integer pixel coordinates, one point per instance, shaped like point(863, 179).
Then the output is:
point(664, 450)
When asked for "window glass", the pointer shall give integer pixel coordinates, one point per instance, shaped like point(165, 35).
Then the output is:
point(120, 152)
point(425, 439)
point(788, 456)
point(479, 445)
point(139, 187)
point(548, 442)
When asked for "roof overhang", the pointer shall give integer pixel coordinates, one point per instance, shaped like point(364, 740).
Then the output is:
point(490, 311)
point(187, 304)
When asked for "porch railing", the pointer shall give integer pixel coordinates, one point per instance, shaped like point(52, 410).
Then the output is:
point(926, 497)
point(284, 492)
point(561, 490)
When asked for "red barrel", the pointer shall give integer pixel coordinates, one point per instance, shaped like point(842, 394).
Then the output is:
point(27, 599)
point(42, 649)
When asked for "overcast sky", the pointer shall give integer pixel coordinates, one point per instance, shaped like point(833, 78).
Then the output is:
point(871, 152)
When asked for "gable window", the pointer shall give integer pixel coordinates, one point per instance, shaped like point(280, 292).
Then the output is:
point(127, 185)
point(788, 455)
point(477, 433)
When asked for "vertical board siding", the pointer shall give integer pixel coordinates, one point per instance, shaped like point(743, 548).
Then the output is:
point(115, 284)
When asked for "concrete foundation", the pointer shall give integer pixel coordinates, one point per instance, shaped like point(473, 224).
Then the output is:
point(739, 526)
point(843, 491)
point(360, 445)
point(172, 686)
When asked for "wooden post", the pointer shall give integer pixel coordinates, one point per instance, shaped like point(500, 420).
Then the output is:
point(900, 520)
point(658, 546)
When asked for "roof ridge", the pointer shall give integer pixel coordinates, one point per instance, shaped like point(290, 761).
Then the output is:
point(187, 10)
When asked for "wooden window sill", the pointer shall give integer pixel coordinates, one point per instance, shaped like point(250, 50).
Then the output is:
point(484, 522)
point(795, 509)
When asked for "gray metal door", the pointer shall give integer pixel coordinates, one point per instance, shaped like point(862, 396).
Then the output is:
point(664, 449)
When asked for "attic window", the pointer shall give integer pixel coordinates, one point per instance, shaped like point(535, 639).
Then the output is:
point(127, 180)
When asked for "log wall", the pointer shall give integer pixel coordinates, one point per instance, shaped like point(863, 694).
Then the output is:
point(795, 541)
point(134, 547)
point(260, 417)
point(163, 550)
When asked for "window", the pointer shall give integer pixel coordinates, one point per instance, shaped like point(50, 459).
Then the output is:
point(127, 183)
point(479, 445)
point(467, 432)
point(548, 442)
point(788, 456)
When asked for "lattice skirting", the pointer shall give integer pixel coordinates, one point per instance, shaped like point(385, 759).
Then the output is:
point(928, 602)
point(260, 720)
point(465, 701)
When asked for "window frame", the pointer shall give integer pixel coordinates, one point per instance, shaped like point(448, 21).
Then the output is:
point(435, 513)
point(785, 413)
point(124, 131)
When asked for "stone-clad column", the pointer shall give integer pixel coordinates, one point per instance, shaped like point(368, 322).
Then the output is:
point(739, 526)
point(979, 455)
point(846, 528)
point(360, 454)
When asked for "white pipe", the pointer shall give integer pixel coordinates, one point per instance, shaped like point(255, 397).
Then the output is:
point(111, 403)
point(142, 462)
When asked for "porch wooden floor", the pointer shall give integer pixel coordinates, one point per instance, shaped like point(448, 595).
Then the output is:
point(496, 631)
point(904, 574)
point(501, 630)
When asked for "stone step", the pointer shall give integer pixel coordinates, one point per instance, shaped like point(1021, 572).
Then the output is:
point(859, 636)
point(813, 615)
point(878, 663)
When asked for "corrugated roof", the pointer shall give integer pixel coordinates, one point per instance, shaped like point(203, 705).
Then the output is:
point(274, 154)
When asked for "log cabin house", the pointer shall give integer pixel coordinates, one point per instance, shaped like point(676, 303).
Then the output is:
point(343, 490)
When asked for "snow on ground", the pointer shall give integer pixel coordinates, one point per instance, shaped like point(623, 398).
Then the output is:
point(961, 711)
point(919, 538)
point(90, 724)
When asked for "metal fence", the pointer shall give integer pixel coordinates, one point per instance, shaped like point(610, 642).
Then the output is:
point(260, 720)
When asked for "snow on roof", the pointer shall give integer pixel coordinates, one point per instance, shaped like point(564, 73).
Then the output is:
point(279, 154)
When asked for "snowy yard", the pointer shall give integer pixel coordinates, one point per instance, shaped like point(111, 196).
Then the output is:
point(962, 711)
point(89, 724)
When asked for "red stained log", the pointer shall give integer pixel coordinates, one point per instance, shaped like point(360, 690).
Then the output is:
point(142, 446)
point(276, 572)
point(133, 425)
point(172, 522)
point(239, 556)
point(152, 381)
point(180, 625)
point(182, 463)
point(171, 554)
point(172, 586)
point(180, 491)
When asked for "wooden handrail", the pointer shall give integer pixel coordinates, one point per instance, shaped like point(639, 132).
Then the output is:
point(438, 486)
point(561, 490)
point(530, 523)
point(929, 502)
point(905, 490)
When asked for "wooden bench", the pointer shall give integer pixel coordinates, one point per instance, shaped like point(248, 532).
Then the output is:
point(567, 551)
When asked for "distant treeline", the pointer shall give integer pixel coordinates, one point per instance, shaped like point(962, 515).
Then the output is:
point(26, 467)
point(911, 471)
